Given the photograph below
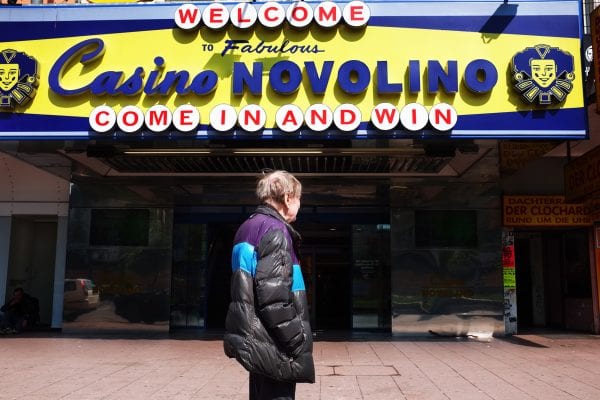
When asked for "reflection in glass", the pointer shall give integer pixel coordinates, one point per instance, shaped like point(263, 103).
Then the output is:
point(119, 285)
point(188, 278)
point(370, 276)
point(447, 288)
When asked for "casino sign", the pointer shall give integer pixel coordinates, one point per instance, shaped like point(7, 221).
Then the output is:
point(299, 69)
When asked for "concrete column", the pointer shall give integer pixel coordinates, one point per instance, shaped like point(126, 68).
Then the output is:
point(59, 271)
point(4, 253)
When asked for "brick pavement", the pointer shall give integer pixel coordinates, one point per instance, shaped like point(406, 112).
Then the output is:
point(56, 366)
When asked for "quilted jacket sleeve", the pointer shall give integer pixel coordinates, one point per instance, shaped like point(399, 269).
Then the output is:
point(273, 293)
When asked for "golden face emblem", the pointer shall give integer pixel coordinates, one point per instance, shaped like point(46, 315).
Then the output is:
point(9, 76)
point(543, 72)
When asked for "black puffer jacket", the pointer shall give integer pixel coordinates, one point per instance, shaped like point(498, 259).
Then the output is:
point(268, 329)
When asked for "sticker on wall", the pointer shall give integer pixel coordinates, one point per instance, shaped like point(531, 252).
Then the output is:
point(543, 74)
point(18, 78)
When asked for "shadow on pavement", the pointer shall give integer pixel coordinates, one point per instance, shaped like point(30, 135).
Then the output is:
point(522, 342)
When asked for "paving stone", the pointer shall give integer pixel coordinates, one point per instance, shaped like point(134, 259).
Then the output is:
point(365, 370)
point(524, 367)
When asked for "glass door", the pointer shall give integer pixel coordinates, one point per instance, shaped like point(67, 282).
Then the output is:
point(188, 283)
point(347, 275)
point(218, 273)
point(371, 290)
point(201, 274)
point(325, 260)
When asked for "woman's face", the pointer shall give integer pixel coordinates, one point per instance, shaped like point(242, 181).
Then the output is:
point(292, 205)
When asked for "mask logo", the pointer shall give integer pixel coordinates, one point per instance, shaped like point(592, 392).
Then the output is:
point(18, 78)
point(543, 74)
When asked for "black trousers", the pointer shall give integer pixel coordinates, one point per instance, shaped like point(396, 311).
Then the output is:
point(264, 388)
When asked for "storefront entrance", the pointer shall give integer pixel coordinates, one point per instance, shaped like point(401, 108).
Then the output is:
point(31, 260)
point(346, 271)
point(553, 280)
point(326, 261)
point(201, 274)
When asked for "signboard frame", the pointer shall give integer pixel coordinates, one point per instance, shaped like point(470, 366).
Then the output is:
point(543, 211)
point(478, 98)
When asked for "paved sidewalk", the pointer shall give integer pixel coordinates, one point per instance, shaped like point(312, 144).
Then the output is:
point(524, 367)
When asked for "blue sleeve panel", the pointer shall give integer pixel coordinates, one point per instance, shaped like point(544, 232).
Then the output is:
point(243, 257)
point(297, 279)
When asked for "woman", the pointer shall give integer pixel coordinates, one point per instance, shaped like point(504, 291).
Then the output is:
point(268, 329)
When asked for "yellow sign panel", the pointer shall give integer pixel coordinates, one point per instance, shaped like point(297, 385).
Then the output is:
point(212, 51)
point(543, 211)
point(582, 176)
point(593, 207)
point(515, 155)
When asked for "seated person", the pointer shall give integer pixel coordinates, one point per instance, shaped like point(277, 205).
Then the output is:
point(19, 313)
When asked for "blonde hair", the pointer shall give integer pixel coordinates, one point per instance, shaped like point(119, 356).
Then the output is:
point(272, 186)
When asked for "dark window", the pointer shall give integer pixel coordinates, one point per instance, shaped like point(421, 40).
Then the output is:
point(69, 286)
point(119, 227)
point(445, 228)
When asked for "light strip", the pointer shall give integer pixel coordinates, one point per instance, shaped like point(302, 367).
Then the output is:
point(165, 152)
point(382, 152)
point(278, 152)
point(332, 152)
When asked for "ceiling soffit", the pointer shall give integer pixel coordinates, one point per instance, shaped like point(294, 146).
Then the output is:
point(402, 161)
